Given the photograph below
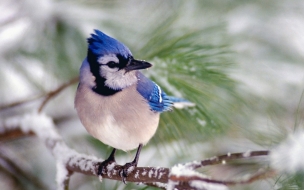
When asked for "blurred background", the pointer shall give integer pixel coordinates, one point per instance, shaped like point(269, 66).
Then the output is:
point(241, 62)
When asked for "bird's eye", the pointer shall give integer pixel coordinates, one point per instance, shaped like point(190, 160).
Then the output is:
point(112, 64)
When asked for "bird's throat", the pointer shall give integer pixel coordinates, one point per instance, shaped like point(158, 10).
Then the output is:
point(102, 89)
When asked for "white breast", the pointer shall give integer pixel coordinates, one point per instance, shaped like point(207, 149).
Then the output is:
point(123, 120)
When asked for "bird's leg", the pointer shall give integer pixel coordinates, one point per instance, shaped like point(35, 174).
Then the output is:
point(102, 166)
point(129, 167)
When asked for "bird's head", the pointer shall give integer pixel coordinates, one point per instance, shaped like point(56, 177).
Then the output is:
point(111, 62)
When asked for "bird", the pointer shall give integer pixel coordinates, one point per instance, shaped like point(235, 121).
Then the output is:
point(115, 102)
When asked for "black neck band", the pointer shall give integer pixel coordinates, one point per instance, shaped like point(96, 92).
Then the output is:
point(100, 87)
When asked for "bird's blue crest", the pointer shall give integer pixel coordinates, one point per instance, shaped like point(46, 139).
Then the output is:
point(102, 44)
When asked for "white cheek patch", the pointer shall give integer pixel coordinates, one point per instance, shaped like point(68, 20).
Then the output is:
point(106, 71)
point(120, 79)
point(115, 78)
point(107, 58)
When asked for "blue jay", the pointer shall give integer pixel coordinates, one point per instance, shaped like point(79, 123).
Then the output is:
point(115, 102)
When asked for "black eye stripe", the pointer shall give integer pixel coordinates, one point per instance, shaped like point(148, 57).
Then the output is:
point(122, 62)
point(112, 64)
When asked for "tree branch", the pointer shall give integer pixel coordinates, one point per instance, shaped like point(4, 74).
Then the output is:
point(55, 92)
point(258, 176)
point(181, 176)
point(48, 96)
point(15, 132)
point(20, 102)
point(226, 157)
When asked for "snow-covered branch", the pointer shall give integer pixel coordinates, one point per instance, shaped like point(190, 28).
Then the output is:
point(185, 173)
point(181, 174)
point(68, 161)
point(15, 131)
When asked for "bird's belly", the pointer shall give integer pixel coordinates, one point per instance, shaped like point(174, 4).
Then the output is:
point(123, 122)
point(122, 135)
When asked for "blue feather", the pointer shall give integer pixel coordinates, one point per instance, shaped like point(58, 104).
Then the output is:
point(157, 99)
point(100, 44)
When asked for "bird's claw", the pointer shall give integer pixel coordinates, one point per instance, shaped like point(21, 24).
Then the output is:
point(126, 170)
point(102, 168)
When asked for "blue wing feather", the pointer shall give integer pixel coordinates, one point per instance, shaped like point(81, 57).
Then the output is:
point(157, 99)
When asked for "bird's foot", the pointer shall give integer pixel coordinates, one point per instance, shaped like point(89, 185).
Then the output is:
point(126, 170)
point(129, 167)
point(103, 166)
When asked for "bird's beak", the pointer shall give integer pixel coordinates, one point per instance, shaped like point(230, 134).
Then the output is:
point(137, 64)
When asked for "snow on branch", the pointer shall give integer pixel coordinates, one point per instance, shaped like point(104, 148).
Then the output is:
point(66, 158)
point(14, 132)
point(185, 173)
point(181, 176)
